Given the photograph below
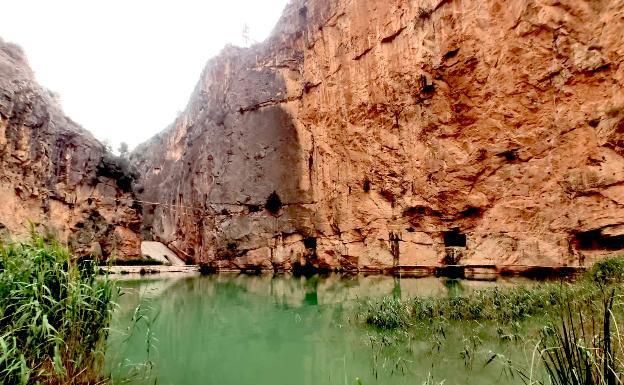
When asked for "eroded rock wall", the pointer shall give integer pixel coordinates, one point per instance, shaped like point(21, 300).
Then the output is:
point(372, 134)
point(57, 176)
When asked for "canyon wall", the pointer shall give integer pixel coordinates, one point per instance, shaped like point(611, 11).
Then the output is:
point(56, 176)
point(370, 134)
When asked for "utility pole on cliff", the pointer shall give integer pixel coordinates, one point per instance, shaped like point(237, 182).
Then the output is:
point(246, 37)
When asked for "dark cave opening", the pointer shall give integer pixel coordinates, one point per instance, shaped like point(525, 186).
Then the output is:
point(309, 242)
point(595, 240)
point(471, 212)
point(366, 185)
point(454, 238)
point(273, 203)
point(509, 155)
point(426, 87)
point(254, 208)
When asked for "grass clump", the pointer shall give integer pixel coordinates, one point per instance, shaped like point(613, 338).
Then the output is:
point(610, 270)
point(388, 313)
point(500, 305)
point(54, 316)
point(573, 327)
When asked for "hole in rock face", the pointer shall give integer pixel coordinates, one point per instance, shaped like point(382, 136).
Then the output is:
point(454, 238)
point(595, 240)
point(310, 243)
point(450, 54)
point(389, 196)
point(206, 269)
point(471, 212)
point(594, 123)
point(424, 13)
point(305, 270)
point(509, 155)
point(367, 185)
point(426, 88)
point(136, 205)
point(273, 203)
point(254, 208)
point(415, 211)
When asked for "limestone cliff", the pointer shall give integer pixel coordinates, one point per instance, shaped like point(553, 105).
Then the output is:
point(371, 134)
point(56, 175)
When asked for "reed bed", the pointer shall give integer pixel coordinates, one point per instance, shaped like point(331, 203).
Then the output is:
point(54, 316)
point(575, 326)
point(501, 305)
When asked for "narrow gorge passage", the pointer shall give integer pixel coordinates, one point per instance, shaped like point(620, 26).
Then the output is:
point(318, 192)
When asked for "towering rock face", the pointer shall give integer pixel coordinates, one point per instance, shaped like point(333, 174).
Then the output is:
point(57, 176)
point(371, 134)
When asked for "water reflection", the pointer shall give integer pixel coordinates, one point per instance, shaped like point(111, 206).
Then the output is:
point(239, 329)
point(315, 290)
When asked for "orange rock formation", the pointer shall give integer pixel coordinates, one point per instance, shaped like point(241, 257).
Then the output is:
point(371, 134)
point(57, 176)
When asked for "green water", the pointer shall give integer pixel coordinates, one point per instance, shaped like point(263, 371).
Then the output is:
point(265, 330)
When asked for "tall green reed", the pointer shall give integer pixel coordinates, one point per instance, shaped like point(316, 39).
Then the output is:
point(572, 327)
point(501, 305)
point(584, 347)
point(54, 315)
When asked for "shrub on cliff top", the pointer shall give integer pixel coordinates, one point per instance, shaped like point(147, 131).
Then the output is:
point(53, 316)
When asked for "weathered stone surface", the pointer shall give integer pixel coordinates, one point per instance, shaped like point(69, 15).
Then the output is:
point(161, 253)
point(402, 133)
point(56, 175)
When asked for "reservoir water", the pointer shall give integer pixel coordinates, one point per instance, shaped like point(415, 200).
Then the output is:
point(282, 330)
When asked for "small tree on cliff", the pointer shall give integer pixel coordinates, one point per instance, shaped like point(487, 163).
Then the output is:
point(123, 149)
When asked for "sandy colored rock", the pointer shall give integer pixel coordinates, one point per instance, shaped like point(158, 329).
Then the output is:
point(391, 133)
point(161, 253)
point(56, 175)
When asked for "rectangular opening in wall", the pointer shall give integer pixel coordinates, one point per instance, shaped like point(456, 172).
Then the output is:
point(594, 240)
point(454, 238)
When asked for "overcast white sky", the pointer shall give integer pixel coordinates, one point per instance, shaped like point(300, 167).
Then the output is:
point(125, 68)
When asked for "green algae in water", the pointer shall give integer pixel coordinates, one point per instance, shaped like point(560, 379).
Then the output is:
point(239, 330)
